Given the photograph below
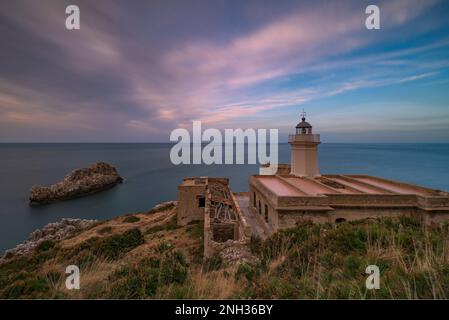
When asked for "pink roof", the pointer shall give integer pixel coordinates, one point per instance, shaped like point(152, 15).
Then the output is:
point(279, 187)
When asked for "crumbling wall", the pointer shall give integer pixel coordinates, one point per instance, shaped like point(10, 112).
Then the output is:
point(223, 231)
point(224, 224)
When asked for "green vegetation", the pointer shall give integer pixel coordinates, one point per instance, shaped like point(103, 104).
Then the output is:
point(46, 246)
point(131, 219)
point(111, 247)
point(195, 229)
point(19, 278)
point(309, 261)
point(163, 246)
point(143, 279)
point(328, 261)
point(172, 224)
point(213, 263)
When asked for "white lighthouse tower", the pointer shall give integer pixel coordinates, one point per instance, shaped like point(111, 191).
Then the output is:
point(304, 149)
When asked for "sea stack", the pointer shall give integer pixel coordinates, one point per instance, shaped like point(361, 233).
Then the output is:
point(78, 183)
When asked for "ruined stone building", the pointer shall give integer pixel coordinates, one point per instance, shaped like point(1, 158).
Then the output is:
point(298, 192)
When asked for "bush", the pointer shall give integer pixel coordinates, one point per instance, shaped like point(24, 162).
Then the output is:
point(170, 225)
point(116, 245)
point(195, 229)
point(45, 245)
point(142, 280)
point(250, 273)
point(327, 261)
point(163, 246)
point(213, 263)
point(255, 244)
point(34, 287)
point(131, 219)
point(111, 247)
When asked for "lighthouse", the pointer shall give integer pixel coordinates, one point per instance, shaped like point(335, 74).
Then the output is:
point(304, 150)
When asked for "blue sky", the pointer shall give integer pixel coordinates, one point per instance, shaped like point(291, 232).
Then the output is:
point(137, 70)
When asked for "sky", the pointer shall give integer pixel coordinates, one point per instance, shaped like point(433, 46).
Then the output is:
point(137, 70)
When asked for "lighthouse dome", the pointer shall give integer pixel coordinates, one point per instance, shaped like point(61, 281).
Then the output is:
point(303, 124)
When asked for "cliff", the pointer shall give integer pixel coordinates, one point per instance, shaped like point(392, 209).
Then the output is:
point(78, 183)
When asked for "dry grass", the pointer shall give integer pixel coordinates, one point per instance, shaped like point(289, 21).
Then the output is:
point(309, 261)
point(219, 284)
point(326, 261)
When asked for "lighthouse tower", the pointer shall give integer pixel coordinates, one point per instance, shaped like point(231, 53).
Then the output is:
point(304, 146)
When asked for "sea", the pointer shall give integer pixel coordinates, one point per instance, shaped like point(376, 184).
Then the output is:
point(151, 178)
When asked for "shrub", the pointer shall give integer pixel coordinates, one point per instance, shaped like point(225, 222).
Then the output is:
point(45, 245)
point(116, 245)
point(131, 219)
point(255, 244)
point(111, 247)
point(169, 225)
point(213, 263)
point(142, 280)
point(195, 229)
point(34, 287)
point(163, 246)
point(247, 271)
point(325, 261)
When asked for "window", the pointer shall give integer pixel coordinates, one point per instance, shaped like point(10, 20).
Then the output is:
point(266, 213)
point(201, 202)
point(260, 208)
point(254, 199)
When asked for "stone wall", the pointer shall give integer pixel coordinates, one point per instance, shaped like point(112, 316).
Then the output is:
point(223, 231)
point(219, 235)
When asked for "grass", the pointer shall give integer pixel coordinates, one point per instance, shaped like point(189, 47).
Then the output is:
point(111, 247)
point(171, 224)
point(195, 229)
point(20, 278)
point(105, 230)
point(309, 261)
point(328, 261)
point(131, 219)
point(98, 254)
point(143, 280)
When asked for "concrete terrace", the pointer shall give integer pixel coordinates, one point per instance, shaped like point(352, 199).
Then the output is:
point(288, 185)
point(284, 199)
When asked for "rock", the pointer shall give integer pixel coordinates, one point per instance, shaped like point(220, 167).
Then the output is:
point(78, 183)
point(235, 253)
point(164, 206)
point(53, 231)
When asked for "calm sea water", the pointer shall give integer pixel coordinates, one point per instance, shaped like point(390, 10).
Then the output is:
point(151, 178)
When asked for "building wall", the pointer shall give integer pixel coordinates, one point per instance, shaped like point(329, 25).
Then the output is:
point(338, 208)
point(288, 219)
point(434, 218)
point(304, 160)
point(189, 203)
point(358, 213)
point(271, 219)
